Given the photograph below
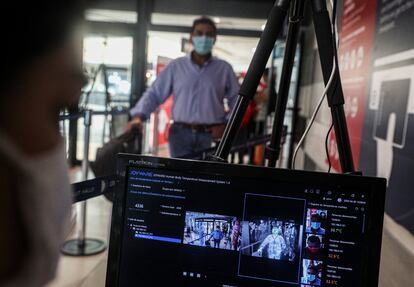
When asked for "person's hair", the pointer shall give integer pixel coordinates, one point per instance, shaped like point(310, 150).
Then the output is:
point(314, 239)
point(34, 30)
point(315, 215)
point(204, 20)
point(313, 268)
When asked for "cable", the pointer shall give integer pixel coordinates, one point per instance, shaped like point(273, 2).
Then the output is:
point(327, 148)
point(334, 67)
point(315, 112)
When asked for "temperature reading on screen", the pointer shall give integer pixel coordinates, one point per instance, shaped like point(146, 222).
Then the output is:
point(241, 232)
point(332, 282)
point(334, 256)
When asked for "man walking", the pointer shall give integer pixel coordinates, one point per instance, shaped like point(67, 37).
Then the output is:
point(199, 83)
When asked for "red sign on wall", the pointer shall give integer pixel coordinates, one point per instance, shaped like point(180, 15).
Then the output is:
point(164, 114)
point(355, 55)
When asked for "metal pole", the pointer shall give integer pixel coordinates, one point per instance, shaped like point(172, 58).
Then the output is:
point(83, 246)
point(296, 15)
point(140, 45)
point(85, 168)
point(73, 136)
point(271, 87)
point(273, 27)
point(335, 96)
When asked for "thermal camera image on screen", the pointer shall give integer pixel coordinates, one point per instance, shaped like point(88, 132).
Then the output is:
point(314, 246)
point(271, 238)
point(271, 244)
point(212, 230)
point(316, 221)
point(312, 272)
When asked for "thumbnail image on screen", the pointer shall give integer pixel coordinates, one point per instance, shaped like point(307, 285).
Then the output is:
point(271, 238)
point(312, 272)
point(272, 232)
point(212, 230)
point(314, 246)
point(316, 221)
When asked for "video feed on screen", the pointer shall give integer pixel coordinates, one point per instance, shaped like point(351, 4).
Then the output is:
point(212, 230)
point(272, 232)
point(312, 272)
point(316, 221)
point(314, 246)
point(271, 238)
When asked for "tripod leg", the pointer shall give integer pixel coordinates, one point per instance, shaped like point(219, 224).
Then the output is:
point(295, 19)
point(335, 95)
point(257, 66)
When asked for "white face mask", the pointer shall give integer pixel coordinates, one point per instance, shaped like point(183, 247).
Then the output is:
point(44, 196)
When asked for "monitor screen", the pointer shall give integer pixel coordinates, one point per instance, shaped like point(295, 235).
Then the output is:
point(184, 227)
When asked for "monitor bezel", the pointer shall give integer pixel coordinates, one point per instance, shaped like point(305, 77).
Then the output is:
point(375, 186)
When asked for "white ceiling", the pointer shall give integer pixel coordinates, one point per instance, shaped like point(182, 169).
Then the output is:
point(102, 15)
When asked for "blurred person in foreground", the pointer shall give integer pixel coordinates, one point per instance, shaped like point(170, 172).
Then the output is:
point(41, 75)
point(199, 84)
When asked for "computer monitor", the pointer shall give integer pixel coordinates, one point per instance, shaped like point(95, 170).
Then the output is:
point(193, 223)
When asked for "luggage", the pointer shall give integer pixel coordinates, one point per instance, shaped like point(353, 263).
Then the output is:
point(106, 156)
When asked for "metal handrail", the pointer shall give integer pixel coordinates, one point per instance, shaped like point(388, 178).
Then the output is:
point(81, 114)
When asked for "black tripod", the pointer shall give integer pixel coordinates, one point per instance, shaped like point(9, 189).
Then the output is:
point(327, 50)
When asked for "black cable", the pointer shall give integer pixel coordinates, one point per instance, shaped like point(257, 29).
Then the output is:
point(335, 66)
point(334, 36)
point(327, 148)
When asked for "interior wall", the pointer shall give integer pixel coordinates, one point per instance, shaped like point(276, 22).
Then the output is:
point(229, 8)
point(376, 59)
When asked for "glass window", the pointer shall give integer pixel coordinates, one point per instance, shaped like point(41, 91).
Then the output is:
point(103, 15)
point(108, 60)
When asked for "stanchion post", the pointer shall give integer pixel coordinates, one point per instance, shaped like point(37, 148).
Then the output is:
point(83, 246)
point(85, 169)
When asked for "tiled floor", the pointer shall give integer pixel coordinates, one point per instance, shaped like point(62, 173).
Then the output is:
point(90, 270)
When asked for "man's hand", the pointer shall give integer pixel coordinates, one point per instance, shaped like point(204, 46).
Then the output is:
point(135, 123)
point(217, 131)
